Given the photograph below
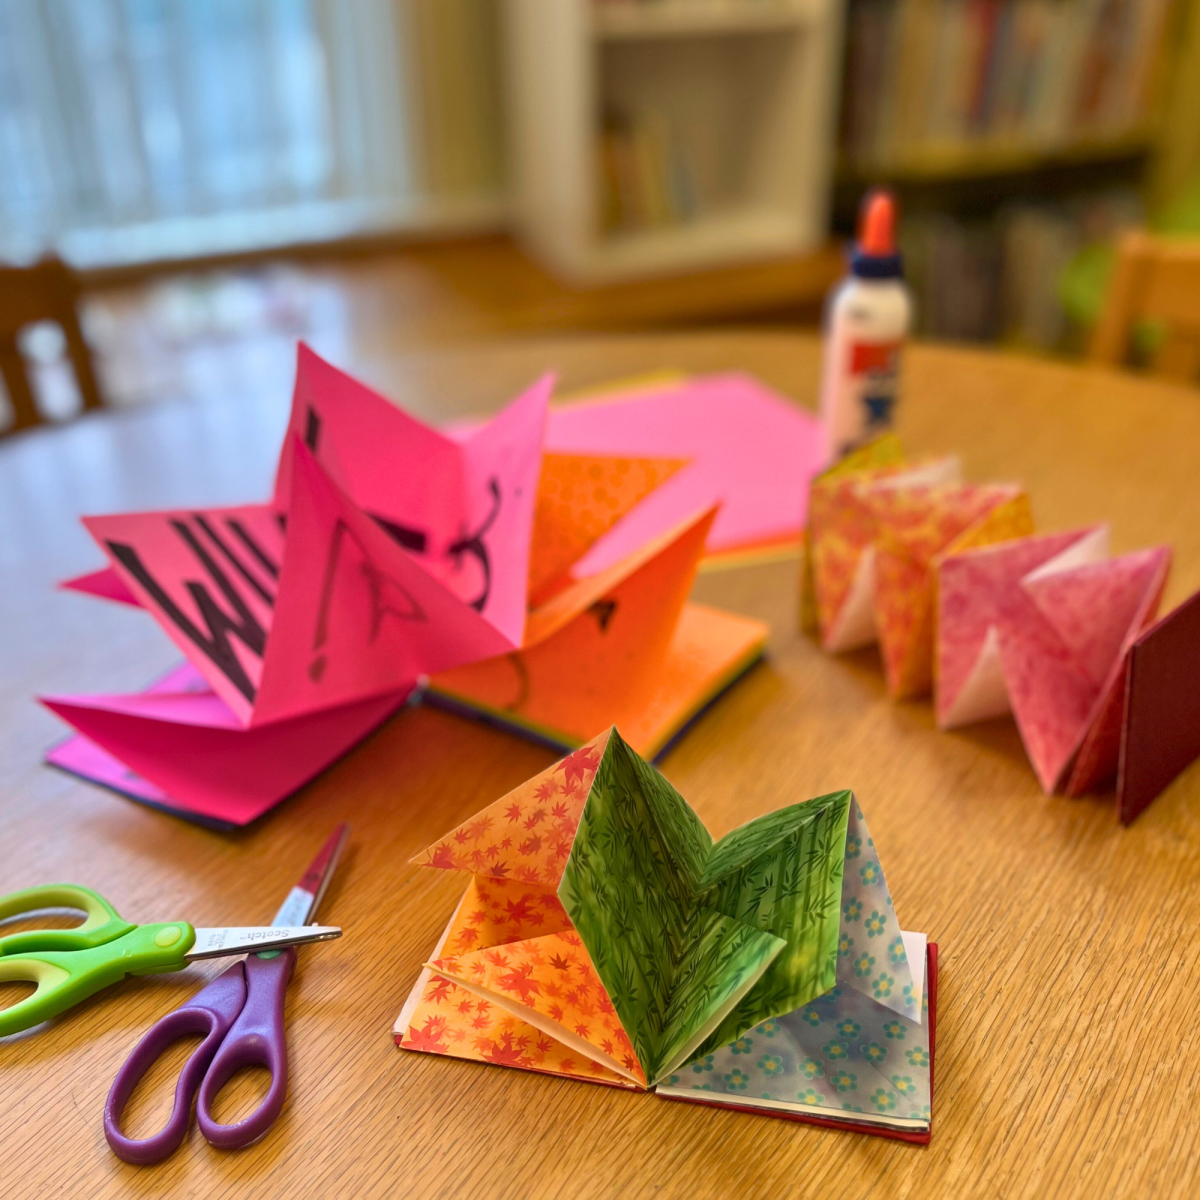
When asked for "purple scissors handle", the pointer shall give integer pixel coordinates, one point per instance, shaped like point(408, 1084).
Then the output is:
point(257, 1039)
point(211, 1012)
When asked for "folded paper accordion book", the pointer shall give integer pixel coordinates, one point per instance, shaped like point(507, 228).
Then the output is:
point(968, 602)
point(392, 556)
point(604, 936)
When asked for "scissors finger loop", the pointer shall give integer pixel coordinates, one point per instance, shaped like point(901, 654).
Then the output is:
point(257, 1039)
point(210, 1013)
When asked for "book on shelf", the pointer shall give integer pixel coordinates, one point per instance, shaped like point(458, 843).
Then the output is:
point(999, 278)
point(646, 173)
point(937, 75)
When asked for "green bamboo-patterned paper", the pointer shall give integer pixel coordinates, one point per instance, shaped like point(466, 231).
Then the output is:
point(630, 889)
point(782, 873)
point(678, 928)
point(724, 957)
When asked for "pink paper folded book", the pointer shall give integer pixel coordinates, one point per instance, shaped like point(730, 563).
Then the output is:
point(1042, 627)
point(390, 553)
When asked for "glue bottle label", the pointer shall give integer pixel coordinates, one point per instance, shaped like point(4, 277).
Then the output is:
point(870, 384)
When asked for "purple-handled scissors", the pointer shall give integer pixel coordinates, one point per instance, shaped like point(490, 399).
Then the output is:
point(241, 1015)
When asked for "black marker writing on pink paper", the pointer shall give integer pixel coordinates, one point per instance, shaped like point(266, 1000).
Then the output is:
point(473, 544)
point(219, 625)
point(388, 597)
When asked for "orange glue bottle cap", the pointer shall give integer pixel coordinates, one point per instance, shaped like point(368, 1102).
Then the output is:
point(875, 255)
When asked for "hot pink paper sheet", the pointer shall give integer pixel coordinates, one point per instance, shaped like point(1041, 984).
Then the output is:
point(182, 749)
point(750, 450)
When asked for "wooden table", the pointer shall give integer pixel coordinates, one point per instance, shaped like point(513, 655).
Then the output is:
point(1070, 970)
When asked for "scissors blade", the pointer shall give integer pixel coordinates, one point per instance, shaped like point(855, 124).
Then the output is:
point(218, 943)
point(300, 907)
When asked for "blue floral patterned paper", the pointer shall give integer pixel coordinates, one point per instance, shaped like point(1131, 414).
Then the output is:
point(844, 1055)
point(861, 1050)
point(871, 954)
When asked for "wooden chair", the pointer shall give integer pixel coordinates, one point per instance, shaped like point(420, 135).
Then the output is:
point(47, 291)
point(1154, 280)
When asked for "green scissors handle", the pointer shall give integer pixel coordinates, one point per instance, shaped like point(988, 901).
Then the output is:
point(68, 965)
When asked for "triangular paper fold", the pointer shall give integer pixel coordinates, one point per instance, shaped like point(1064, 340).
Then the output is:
point(196, 752)
point(1049, 621)
point(550, 982)
point(365, 616)
point(580, 498)
point(527, 834)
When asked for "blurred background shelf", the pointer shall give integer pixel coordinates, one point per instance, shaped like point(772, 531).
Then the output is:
point(666, 161)
point(643, 148)
point(661, 18)
point(994, 156)
point(1022, 136)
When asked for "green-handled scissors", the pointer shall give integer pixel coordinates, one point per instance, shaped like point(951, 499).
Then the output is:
point(68, 965)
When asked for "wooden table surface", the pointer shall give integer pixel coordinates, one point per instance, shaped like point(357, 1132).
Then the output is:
point(1070, 976)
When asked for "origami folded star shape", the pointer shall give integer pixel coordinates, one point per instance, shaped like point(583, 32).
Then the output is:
point(619, 940)
point(389, 552)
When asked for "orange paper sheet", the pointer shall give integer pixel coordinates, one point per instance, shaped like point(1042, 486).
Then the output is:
point(621, 647)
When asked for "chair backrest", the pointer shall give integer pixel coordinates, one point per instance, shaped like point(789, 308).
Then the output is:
point(1155, 280)
point(46, 291)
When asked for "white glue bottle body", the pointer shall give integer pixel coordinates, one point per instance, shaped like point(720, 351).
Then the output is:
point(867, 322)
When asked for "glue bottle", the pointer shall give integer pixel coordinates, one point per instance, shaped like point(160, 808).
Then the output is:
point(866, 324)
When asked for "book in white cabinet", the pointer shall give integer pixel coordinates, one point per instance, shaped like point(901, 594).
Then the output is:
point(654, 138)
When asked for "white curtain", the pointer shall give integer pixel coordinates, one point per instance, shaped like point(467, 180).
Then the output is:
point(133, 129)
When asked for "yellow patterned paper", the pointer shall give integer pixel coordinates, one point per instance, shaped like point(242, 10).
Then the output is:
point(884, 452)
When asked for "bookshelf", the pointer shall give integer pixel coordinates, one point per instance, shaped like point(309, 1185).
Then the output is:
point(934, 87)
point(629, 19)
point(1018, 133)
point(653, 137)
point(995, 156)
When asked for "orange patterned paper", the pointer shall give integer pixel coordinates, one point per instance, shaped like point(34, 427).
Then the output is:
point(552, 977)
point(915, 524)
point(446, 1018)
point(526, 835)
point(622, 647)
point(905, 517)
point(580, 497)
point(885, 451)
point(498, 911)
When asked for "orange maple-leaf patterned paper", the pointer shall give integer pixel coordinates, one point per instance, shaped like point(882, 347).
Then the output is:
point(527, 834)
point(443, 1017)
point(551, 982)
point(511, 947)
point(579, 498)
